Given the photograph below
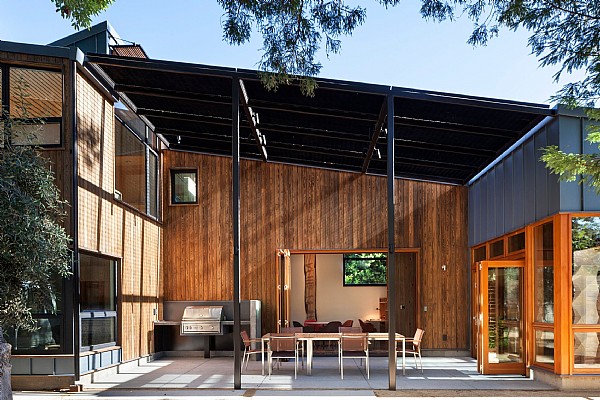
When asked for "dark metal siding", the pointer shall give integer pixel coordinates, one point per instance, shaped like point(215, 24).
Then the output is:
point(516, 191)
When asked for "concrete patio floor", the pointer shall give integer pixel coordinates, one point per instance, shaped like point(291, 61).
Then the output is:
point(447, 377)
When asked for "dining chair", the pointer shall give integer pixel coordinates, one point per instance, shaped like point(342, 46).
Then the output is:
point(350, 329)
point(348, 322)
point(367, 326)
point(353, 345)
point(296, 324)
point(294, 330)
point(248, 350)
point(280, 346)
point(416, 347)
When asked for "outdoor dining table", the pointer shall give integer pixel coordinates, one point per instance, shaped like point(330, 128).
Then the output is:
point(309, 338)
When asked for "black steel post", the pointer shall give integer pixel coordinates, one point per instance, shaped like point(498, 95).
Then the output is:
point(75, 227)
point(235, 153)
point(391, 258)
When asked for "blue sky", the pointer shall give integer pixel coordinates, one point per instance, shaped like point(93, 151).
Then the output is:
point(394, 47)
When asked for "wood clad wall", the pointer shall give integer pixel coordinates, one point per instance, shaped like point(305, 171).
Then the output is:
point(110, 228)
point(284, 206)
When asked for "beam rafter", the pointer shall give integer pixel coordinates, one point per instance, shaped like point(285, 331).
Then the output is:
point(252, 119)
point(375, 137)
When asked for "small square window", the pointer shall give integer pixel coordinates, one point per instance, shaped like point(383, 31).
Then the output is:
point(184, 186)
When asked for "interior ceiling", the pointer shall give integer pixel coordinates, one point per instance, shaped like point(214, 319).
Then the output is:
point(438, 136)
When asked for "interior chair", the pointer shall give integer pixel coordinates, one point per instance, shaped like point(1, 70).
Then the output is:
point(416, 347)
point(348, 322)
point(283, 346)
point(297, 324)
point(353, 345)
point(294, 330)
point(248, 350)
point(331, 327)
point(350, 329)
point(367, 327)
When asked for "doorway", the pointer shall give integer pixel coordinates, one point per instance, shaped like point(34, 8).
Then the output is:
point(334, 299)
point(499, 322)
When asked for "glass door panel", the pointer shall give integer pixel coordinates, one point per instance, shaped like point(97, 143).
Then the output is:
point(502, 308)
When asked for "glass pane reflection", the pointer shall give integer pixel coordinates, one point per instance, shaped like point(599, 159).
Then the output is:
point(544, 347)
point(586, 270)
point(587, 349)
point(504, 315)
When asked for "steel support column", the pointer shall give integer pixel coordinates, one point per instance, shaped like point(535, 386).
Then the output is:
point(391, 259)
point(235, 153)
point(75, 227)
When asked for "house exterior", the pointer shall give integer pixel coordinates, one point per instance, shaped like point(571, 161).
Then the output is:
point(147, 144)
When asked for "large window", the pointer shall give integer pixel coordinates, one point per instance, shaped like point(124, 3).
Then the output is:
point(34, 100)
point(365, 269)
point(98, 301)
point(136, 164)
point(586, 298)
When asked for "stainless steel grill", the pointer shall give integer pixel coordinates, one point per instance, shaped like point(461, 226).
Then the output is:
point(202, 320)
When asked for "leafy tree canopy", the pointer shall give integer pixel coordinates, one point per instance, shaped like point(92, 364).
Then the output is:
point(365, 269)
point(34, 249)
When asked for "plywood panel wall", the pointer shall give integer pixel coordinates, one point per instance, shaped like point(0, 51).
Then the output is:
point(111, 228)
point(293, 207)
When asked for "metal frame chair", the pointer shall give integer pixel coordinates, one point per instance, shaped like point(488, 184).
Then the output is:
point(248, 350)
point(416, 347)
point(353, 345)
point(294, 330)
point(280, 346)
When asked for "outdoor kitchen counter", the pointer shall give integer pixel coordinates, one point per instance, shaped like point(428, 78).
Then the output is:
point(167, 322)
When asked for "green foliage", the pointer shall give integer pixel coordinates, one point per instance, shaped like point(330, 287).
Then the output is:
point(33, 244)
point(80, 12)
point(292, 32)
point(571, 167)
point(365, 269)
point(585, 233)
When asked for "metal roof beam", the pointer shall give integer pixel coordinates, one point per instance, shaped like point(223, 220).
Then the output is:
point(308, 110)
point(252, 119)
point(375, 137)
point(473, 101)
point(454, 127)
point(172, 94)
point(445, 148)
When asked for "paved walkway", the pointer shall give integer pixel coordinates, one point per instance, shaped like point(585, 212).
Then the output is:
point(447, 377)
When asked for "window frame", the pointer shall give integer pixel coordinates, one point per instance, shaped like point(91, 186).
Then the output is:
point(93, 314)
point(172, 173)
point(5, 68)
point(345, 257)
point(148, 149)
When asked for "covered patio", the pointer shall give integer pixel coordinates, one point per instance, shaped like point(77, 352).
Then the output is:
point(187, 373)
point(354, 128)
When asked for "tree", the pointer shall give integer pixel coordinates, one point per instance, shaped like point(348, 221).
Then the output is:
point(365, 269)
point(34, 248)
point(80, 12)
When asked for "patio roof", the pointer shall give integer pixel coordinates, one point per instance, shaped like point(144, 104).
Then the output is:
point(438, 136)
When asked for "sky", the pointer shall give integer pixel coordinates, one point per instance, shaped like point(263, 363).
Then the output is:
point(393, 47)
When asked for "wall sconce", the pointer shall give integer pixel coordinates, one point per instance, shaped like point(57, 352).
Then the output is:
point(444, 267)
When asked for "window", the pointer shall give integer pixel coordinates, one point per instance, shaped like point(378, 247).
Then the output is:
point(479, 254)
point(586, 271)
point(543, 275)
point(98, 301)
point(365, 269)
point(136, 164)
point(516, 242)
point(33, 99)
point(497, 248)
point(47, 338)
point(184, 186)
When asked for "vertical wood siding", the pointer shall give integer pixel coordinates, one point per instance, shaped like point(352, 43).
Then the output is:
point(284, 206)
point(108, 227)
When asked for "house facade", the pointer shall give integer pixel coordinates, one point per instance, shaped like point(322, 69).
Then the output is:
point(147, 145)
